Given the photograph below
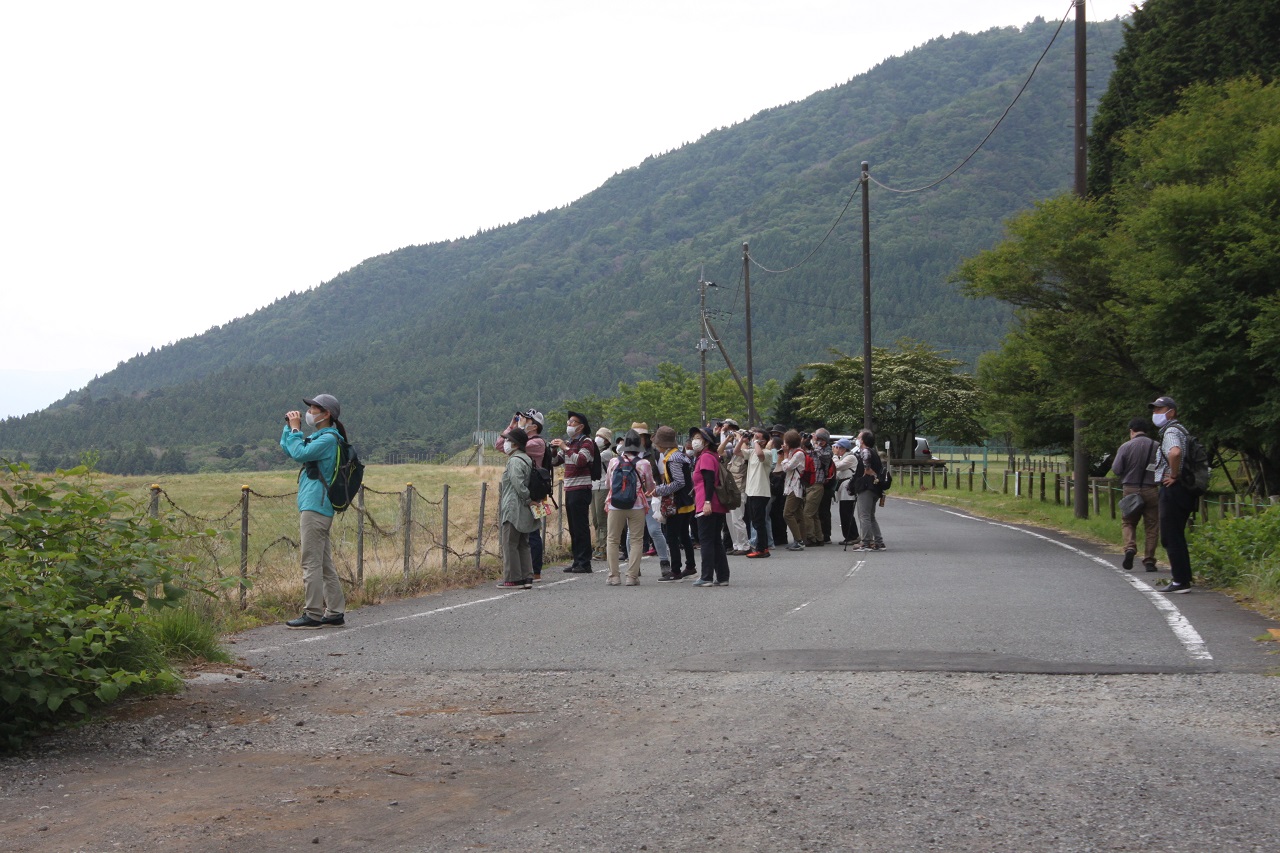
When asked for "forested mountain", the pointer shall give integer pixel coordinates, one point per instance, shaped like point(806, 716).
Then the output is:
point(571, 301)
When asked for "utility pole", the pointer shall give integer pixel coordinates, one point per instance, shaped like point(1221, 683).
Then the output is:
point(752, 420)
point(1080, 455)
point(866, 296)
point(704, 342)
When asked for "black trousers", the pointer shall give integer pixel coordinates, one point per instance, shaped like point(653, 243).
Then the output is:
point(679, 533)
point(824, 511)
point(577, 510)
point(756, 507)
point(715, 561)
point(535, 549)
point(848, 524)
point(1176, 506)
point(776, 519)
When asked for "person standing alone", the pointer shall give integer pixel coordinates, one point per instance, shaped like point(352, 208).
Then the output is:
point(324, 602)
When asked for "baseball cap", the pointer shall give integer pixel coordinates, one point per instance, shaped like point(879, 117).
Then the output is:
point(1163, 403)
point(535, 416)
point(328, 402)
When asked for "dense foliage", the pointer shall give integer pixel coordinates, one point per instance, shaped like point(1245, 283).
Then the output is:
point(571, 302)
point(79, 566)
point(1169, 285)
point(1168, 46)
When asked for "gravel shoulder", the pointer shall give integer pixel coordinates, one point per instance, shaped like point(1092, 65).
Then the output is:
point(662, 761)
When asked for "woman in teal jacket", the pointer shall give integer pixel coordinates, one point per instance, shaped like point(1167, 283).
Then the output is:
point(325, 603)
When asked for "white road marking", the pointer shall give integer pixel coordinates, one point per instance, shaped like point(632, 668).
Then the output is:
point(1178, 623)
point(331, 633)
point(850, 574)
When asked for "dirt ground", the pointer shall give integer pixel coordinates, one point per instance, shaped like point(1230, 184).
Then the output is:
point(661, 761)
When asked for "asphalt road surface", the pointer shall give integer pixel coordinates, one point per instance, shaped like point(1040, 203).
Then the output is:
point(952, 592)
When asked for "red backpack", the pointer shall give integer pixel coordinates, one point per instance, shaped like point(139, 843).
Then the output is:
point(809, 473)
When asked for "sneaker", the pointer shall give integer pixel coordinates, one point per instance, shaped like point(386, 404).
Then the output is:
point(613, 581)
point(739, 552)
point(305, 622)
point(1128, 560)
point(667, 577)
point(688, 573)
point(879, 546)
point(537, 578)
point(796, 546)
point(754, 554)
point(579, 570)
point(665, 565)
point(1150, 564)
point(527, 583)
point(719, 583)
point(1176, 588)
point(846, 543)
point(652, 552)
point(511, 585)
point(631, 582)
point(701, 582)
point(334, 620)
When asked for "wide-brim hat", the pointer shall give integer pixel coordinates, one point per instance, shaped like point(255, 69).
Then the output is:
point(328, 402)
point(640, 427)
point(664, 438)
point(631, 443)
point(586, 422)
point(708, 438)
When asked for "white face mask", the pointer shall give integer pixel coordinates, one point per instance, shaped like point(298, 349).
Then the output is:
point(507, 447)
point(571, 430)
point(601, 443)
point(1159, 419)
point(697, 444)
point(311, 419)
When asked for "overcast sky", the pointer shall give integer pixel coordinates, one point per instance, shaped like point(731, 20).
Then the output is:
point(168, 166)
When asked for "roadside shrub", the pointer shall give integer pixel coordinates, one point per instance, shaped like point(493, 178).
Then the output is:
point(1241, 552)
point(79, 565)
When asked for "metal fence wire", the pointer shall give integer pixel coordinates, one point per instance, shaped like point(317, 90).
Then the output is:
point(253, 547)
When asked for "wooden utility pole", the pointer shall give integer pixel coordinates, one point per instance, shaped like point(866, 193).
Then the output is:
point(866, 296)
point(1080, 454)
point(704, 343)
point(752, 420)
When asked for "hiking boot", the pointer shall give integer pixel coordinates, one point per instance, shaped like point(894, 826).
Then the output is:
point(1127, 562)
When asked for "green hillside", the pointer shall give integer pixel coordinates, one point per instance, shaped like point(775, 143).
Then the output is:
point(571, 301)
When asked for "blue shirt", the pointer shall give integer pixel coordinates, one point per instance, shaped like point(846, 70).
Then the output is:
point(321, 448)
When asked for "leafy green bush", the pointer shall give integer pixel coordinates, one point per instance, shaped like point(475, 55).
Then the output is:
point(78, 565)
point(1239, 552)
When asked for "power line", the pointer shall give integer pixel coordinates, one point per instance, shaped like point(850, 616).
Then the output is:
point(994, 127)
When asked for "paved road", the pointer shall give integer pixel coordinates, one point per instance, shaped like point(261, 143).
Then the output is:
point(953, 593)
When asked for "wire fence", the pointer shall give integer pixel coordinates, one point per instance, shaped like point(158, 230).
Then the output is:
point(253, 547)
point(1044, 483)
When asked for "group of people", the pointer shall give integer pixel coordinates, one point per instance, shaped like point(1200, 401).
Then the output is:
point(1152, 470)
point(659, 494)
point(664, 494)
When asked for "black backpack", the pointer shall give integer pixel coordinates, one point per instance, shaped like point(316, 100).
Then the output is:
point(1195, 472)
point(348, 475)
point(540, 483)
point(624, 486)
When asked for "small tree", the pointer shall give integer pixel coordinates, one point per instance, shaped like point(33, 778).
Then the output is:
point(915, 390)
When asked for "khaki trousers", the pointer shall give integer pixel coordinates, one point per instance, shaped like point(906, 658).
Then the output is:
point(1150, 516)
point(631, 520)
point(321, 586)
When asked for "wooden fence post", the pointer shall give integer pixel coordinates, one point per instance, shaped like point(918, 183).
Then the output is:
point(360, 537)
point(244, 547)
point(484, 491)
point(444, 528)
point(406, 519)
point(154, 509)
